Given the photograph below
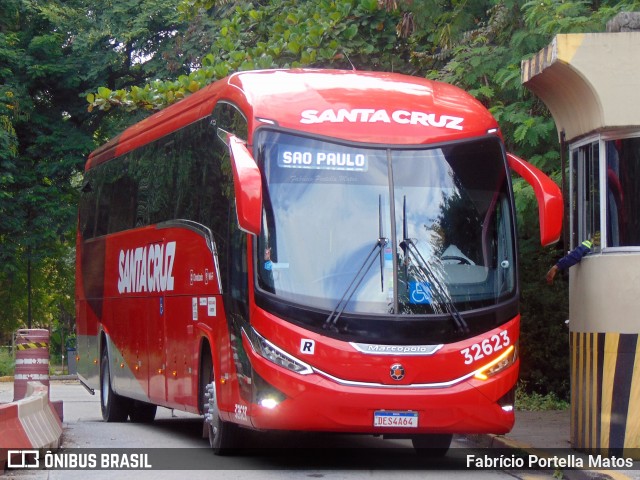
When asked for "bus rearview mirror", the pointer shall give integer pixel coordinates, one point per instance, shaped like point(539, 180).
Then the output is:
point(247, 184)
point(549, 196)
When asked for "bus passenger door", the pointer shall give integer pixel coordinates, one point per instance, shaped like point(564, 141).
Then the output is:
point(236, 302)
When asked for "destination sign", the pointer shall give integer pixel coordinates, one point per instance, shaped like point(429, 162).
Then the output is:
point(315, 159)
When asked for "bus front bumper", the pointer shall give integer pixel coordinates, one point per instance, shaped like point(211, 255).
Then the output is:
point(316, 403)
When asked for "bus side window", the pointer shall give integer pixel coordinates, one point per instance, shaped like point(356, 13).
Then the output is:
point(102, 215)
point(87, 207)
point(122, 205)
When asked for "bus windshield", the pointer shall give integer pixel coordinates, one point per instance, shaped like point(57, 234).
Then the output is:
point(385, 231)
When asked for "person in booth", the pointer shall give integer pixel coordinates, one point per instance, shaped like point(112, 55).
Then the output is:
point(572, 258)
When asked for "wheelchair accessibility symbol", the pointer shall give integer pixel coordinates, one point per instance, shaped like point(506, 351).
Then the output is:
point(420, 292)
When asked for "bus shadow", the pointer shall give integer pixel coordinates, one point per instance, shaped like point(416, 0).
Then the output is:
point(306, 450)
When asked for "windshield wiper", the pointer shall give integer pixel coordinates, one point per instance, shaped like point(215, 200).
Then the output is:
point(333, 317)
point(409, 249)
point(378, 248)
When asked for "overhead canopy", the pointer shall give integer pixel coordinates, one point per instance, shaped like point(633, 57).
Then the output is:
point(590, 82)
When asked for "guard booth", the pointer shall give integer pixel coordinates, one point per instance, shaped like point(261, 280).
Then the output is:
point(591, 85)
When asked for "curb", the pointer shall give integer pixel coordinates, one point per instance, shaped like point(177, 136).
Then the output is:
point(29, 423)
point(501, 442)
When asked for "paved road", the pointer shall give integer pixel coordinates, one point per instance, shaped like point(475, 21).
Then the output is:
point(290, 455)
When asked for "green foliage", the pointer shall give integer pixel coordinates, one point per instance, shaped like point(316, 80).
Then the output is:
point(535, 402)
point(277, 33)
point(52, 53)
point(544, 336)
point(7, 363)
point(549, 17)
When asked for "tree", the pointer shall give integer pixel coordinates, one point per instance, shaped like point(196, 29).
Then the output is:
point(51, 53)
point(271, 34)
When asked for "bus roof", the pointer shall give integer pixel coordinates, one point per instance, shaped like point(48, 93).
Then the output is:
point(368, 107)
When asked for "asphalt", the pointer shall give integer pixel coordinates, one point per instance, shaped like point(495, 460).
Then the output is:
point(544, 435)
point(546, 430)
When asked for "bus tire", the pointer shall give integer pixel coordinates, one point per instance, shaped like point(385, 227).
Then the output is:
point(432, 445)
point(142, 412)
point(223, 436)
point(114, 407)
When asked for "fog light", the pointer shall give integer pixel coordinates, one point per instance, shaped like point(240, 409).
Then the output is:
point(265, 394)
point(269, 403)
point(508, 400)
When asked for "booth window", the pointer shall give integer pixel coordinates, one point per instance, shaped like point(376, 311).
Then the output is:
point(585, 202)
point(623, 192)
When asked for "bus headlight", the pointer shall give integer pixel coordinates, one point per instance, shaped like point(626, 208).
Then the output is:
point(504, 361)
point(269, 351)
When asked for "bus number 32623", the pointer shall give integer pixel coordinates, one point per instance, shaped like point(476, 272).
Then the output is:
point(488, 346)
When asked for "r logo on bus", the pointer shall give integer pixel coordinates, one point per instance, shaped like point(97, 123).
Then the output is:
point(307, 346)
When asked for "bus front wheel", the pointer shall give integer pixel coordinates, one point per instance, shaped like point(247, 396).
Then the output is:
point(223, 436)
point(114, 407)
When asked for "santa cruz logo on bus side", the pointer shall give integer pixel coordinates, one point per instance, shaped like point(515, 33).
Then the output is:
point(146, 269)
point(371, 115)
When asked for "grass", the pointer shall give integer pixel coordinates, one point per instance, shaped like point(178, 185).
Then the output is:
point(536, 402)
point(7, 363)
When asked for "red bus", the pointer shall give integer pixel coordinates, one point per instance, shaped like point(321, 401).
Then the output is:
point(307, 250)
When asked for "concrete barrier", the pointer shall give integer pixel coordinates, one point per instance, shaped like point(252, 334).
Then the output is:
point(29, 423)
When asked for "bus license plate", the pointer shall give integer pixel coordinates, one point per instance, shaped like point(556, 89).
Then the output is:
point(385, 418)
